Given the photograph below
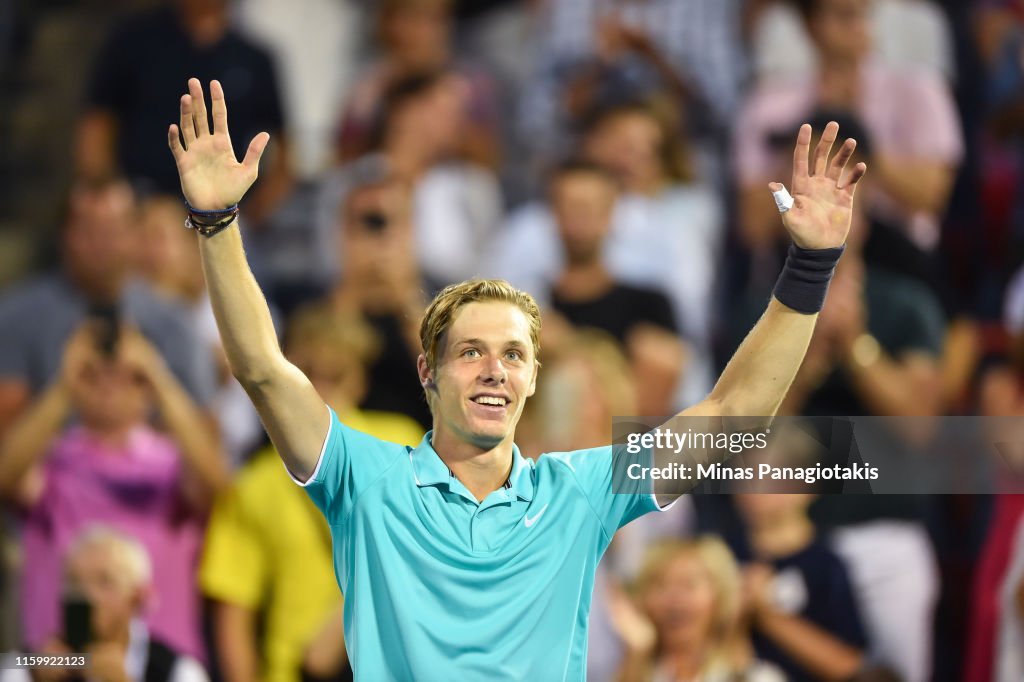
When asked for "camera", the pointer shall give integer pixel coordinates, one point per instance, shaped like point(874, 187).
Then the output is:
point(374, 221)
point(106, 321)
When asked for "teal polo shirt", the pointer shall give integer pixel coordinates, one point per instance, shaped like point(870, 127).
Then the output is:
point(439, 586)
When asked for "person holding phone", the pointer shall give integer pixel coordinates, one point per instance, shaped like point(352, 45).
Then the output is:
point(86, 453)
point(108, 583)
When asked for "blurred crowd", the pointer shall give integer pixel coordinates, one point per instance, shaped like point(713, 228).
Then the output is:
point(612, 158)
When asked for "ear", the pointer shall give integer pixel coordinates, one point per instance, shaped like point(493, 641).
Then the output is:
point(533, 379)
point(145, 599)
point(425, 374)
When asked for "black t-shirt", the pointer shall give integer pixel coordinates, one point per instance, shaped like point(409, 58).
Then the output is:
point(143, 70)
point(814, 585)
point(392, 377)
point(619, 310)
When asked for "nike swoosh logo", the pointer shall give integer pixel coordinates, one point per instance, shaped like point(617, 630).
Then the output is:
point(527, 521)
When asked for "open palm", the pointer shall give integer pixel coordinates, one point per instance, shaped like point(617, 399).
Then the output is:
point(822, 195)
point(211, 176)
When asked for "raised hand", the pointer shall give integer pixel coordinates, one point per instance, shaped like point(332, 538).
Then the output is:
point(822, 194)
point(211, 176)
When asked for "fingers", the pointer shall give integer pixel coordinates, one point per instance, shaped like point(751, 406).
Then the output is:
point(255, 151)
point(195, 88)
point(801, 153)
point(219, 108)
point(838, 164)
point(185, 122)
point(174, 142)
point(821, 152)
point(851, 180)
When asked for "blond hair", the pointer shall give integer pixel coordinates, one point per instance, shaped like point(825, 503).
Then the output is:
point(442, 310)
point(129, 553)
point(722, 570)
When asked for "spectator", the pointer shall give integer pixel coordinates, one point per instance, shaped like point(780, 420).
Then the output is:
point(582, 198)
point(382, 282)
point(168, 259)
point(667, 229)
point(153, 54)
point(268, 551)
point(112, 574)
point(597, 52)
point(910, 116)
point(589, 382)
point(907, 35)
point(415, 38)
point(111, 467)
point(455, 204)
point(96, 242)
point(686, 621)
point(997, 595)
point(803, 609)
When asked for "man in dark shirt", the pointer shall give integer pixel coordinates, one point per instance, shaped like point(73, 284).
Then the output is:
point(154, 54)
point(586, 294)
point(380, 280)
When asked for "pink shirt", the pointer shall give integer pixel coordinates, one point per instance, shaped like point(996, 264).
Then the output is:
point(133, 488)
point(908, 114)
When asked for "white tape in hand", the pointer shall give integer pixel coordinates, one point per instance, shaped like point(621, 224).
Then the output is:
point(783, 199)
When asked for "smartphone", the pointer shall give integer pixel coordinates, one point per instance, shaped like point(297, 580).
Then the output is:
point(374, 221)
point(77, 622)
point(107, 321)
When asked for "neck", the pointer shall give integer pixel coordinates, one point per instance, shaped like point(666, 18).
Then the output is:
point(205, 25)
point(405, 159)
point(481, 470)
point(107, 290)
point(783, 536)
point(685, 658)
point(647, 185)
point(581, 282)
point(839, 66)
point(114, 436)
point(425, 60)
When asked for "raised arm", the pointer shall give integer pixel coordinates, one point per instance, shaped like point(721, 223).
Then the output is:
point(757, 378)
point(212, 179)
point(759, 374)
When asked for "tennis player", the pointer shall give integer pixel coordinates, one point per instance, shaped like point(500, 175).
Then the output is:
point(461, 559)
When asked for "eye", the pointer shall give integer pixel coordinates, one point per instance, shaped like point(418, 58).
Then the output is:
point(471, 353)
point(514, 355)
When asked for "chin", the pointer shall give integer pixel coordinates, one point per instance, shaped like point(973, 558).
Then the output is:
point(488, 435)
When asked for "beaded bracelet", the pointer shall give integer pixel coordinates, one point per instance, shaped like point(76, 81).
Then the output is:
point(209, 223)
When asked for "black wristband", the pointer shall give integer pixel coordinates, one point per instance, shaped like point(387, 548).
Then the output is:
point(804, 280)
point(208, 228)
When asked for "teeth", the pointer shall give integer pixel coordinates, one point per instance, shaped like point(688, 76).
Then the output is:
point(490, 400)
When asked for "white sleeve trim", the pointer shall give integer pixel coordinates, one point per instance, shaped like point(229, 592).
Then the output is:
point(320, 459)
point(188, 669)
point(654, 497)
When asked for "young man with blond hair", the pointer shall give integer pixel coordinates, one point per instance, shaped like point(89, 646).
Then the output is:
point(459, 558)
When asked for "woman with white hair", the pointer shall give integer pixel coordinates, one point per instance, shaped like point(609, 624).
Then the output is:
point(107, 583)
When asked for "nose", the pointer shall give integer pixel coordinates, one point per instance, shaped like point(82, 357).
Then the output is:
point(493, 371)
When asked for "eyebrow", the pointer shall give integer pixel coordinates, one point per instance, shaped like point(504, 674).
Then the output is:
point(513, 343)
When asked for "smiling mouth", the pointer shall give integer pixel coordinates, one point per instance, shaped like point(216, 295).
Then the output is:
point(490, 401)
